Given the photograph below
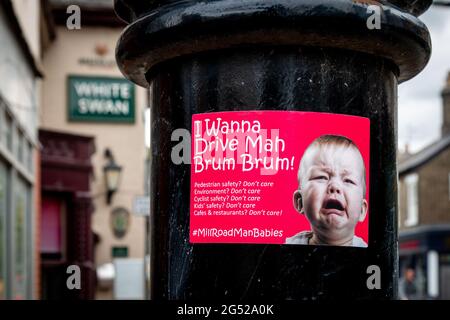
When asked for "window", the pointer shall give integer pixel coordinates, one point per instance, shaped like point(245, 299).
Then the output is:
point(3, 197)
point(29, 157)
point(7, 131)
point(20, 146)
point(412, 200)
point(25, 154)
point(52, 225)
point(2, 124)
point(20, 279)
point(16, 206)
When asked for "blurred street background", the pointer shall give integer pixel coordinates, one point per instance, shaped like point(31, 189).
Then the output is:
point(72, 155)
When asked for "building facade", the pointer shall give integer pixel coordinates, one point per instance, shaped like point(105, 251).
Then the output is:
point(424, 224)
point(67, 206)
point(86, 99)
point(22, 30)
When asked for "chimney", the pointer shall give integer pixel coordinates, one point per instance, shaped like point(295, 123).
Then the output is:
point(406, 152)
point(446, 107)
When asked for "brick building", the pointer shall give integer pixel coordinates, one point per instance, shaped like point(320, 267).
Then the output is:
point(424, 211)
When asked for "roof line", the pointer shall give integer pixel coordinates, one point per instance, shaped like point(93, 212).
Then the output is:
point(94, 13)
point(425, 229)
point(47, 12)
point(17, 30)
point(419, 159)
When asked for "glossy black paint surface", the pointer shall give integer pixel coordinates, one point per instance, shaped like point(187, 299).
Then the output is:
point(186, 27)
point(130, 10)
point(290, 78)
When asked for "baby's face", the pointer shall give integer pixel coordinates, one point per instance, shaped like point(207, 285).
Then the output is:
point(332, 188)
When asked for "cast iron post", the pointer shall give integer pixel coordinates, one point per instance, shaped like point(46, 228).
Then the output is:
point(306, 55)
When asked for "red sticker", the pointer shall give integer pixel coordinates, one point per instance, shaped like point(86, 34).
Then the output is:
point(280, 177)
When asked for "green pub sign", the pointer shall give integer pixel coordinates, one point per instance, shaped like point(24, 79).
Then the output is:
point(100, 99)
point(119, 252)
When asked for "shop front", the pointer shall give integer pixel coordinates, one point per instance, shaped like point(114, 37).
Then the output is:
point(426, 251)
point(66, 235)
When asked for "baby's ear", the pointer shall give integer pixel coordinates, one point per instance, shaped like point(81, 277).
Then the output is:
point(298, 203)
point(364, 208)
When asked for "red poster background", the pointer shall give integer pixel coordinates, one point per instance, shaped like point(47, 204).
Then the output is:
point(298, 130)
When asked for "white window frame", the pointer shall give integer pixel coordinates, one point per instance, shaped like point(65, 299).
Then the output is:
point(412, 199)
point(3, 225)
point(17, 170)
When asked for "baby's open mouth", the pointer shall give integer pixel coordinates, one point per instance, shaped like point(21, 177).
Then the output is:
point(333, 206)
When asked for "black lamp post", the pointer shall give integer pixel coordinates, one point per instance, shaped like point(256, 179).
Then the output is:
point(304, 55)
point(112, 174)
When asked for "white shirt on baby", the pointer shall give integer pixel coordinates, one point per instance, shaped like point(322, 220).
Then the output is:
point(303, 237)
